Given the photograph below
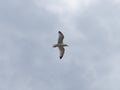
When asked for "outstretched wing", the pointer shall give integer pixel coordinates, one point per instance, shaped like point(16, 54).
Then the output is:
point(62, 50)
point(61, 37)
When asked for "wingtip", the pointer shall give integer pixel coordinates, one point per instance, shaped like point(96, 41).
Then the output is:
point(59, 31)
point(60, 57)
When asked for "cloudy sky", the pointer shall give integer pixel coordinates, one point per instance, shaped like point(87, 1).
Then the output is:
point(29, 28)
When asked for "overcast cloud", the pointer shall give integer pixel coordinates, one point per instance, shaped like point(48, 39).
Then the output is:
point(29, 28)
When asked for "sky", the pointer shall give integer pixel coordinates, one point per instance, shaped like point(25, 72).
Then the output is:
point(29, 28)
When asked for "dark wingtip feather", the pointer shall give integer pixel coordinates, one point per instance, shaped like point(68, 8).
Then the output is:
point(60, 57)
point(59, 31)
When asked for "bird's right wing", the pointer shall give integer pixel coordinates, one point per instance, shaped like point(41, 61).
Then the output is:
point(61, 37)
point(62, 50)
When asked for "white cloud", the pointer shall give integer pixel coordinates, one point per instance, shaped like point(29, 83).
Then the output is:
point(64, 6)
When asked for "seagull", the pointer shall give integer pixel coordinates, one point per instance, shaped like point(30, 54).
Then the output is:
point(60, 44)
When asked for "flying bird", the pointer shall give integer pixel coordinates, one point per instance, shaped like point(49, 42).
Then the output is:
point(60, 44)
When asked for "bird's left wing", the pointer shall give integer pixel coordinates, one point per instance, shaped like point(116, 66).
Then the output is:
point(61, 37)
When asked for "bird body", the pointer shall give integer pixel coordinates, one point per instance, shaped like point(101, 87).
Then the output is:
point(60, 44)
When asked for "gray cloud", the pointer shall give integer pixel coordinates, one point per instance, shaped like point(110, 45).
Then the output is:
point(28, 30)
